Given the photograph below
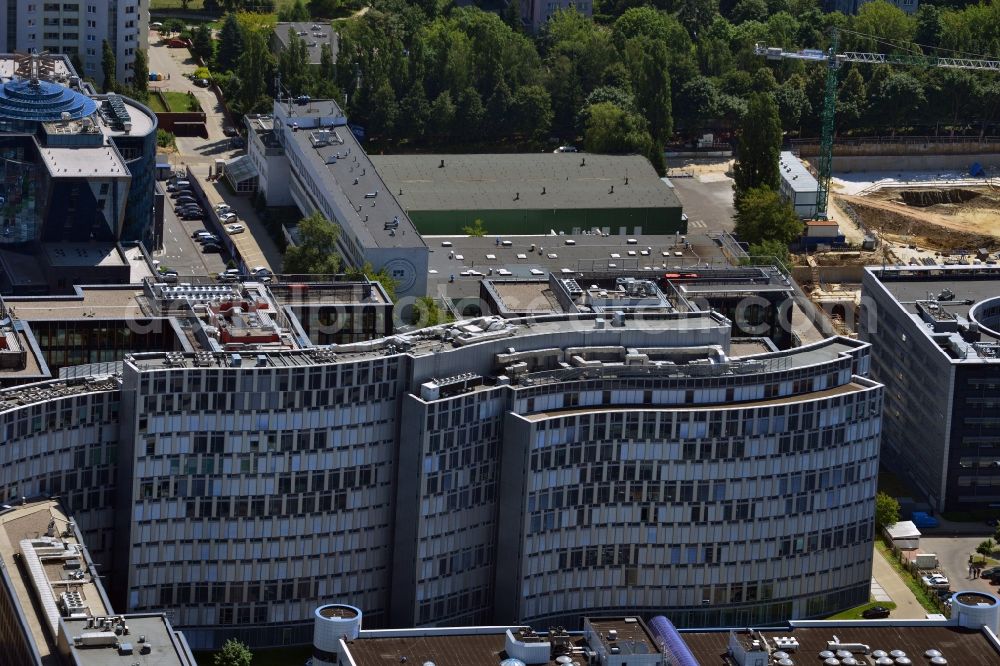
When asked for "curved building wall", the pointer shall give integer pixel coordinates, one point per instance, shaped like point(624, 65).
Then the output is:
point(139, 153)
point(716, 517)
point(257, 493)
point(63, 440)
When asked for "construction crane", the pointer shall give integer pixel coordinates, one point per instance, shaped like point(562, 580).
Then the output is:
point(833, 62)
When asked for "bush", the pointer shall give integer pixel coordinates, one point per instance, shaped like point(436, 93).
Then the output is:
point(202, 73)
point(165, 139)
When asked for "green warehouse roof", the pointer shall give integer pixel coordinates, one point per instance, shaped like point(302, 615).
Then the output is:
point(517, 181)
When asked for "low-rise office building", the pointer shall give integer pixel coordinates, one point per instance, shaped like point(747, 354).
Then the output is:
point(935, 336)
point(321, 167)
point(54, 607)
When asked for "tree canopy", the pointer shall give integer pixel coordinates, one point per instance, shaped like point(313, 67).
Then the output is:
point(761, 216)
point(886, 510)
point(756, 163)
point(233, 653)
point(315, 252)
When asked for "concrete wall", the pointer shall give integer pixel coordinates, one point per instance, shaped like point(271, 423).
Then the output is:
point(914, 162)
point(837, 274)
point(537, 221)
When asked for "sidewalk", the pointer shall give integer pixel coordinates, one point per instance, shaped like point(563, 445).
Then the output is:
point(886, 578)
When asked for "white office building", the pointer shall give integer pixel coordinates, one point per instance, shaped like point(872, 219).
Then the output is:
point(530, 471)
point(798, 186)
point(78, 28)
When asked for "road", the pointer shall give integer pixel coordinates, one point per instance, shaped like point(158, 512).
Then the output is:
point(180, 252)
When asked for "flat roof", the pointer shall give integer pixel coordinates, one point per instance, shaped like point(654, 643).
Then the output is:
point(32, 368)
point(142, 122)
point(517, 181)
point(84, 255)
point(632, 636)
point(795, 173)
point(165, 647)
point(97, 302)
point(30, 522)
point(314, 34)
point(525, 295)
point(588, 252)
point(347, 180)
point(83, 162)
point(472, 649)
point(959, 646)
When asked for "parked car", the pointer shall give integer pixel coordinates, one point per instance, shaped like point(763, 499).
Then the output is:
point(211, 247)
point(201, 83)
point(181, 193)
point(924, 519)
point(235, 229)
point(223, 207)
point(566, 149)
point(875, 613)
point(208, 238)
point(227, 217)
point(229, 275)
point(229, 130)
point(185, 200)
point(989, 573)
point(936, 580)
point(200, 232)
point(260, 271)
point(192, 215)
point(179, 184)
point(191, 208)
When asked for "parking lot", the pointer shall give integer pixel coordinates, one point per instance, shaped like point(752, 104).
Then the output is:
point(953, 558)
point(180, 252)
point(706, 193)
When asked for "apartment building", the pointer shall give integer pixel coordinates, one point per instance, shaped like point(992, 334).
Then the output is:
point(78, 29)
point(513, 470)
point(935, 336)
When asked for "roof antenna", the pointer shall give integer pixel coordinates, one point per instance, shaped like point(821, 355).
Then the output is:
point(441, 166)
point(543, 189)
point(612, 190)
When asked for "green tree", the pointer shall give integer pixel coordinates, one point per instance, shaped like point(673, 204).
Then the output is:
point(316, 250)
point(201, 42)
point(770, 248)
point(140, 76)
point(382, 276)
point(253, 72)
point(762, 216)
point(428, 312)
point(233, 653)
point(882, 27)
point(610, 129)
point(750, 10)
point(109, 68)
point(293, 66)
point(793, 102)
point(414, 112)
point(294, 12)
point(647, 61)
point(469, 113)
point(900, 96)
point(531, 113)
point(852, 99)
point(759, 146)
point(986, 548)
point(323, 8)
point(383, 109)
point(231, 45)
point(443, 113)
point(886, 511)
point(165, 139)
point(928, 25)
point(476, 229)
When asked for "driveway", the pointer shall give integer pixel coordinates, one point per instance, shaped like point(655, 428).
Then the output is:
point(176, 63)
point(953, 556)
point(706, 193)
point(180, 252)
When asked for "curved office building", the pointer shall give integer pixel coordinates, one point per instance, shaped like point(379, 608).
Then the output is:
point(521, 470)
